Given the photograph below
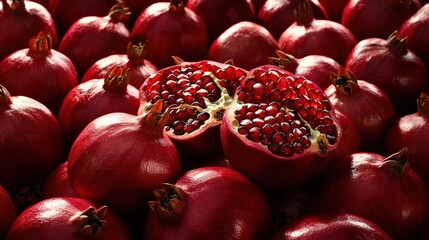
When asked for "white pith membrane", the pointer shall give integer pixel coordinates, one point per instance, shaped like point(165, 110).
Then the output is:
point(286, 115)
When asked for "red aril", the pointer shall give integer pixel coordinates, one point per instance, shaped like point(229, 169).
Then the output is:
point(280, 129)
point(57, 184)
point(7, 212)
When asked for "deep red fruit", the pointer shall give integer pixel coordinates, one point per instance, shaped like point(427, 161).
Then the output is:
point(171, 29)
point(31, 143)
point(207, 203)
point(377, 18)
point(57, 184)
point(39, 72)
point(280, 129)
point(385, 190)
point(92, 38)
point(247, 44)
point(392, 67)
point(20, 21)
point(331, 226)
point(257, 4)
point(7, 212)
point(316, 68)
point(350, 142)
point(334, 8)
point(138, 6)
point(310, 36)
point(119, 159)
point(68, 219)
point(366, 105)
point(198, 93)
point(135, 61)
point(411, 131)
point(219, 15)
point(277, 15)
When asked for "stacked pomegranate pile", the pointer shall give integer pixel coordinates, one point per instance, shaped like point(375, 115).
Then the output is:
point(214, 119)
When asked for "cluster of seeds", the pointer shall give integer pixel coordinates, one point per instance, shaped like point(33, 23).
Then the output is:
point(282, 112)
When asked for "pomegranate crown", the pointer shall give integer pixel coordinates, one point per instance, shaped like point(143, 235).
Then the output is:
point(41, 43)
point(115, 80)
point(91, 221)
point(17, 5)
point(5, 99)
point(345, 81)
point(284, 60)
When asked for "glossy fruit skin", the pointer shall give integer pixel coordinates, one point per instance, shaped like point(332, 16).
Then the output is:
point(53, 219)
point(19, 25)
point(331, 226)
point(247, 44)
point(7, 212)
point(171, 31)
point(207, 190)
point(57, 184)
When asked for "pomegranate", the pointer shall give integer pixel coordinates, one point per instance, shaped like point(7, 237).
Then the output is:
point(92, 38)
point(31, 143)
point(39, 72)
point(393, 195)
point(278, 15)
point(310, 36)
point(377, 18)
point(189, 208)
point(392, 67)
point(350, 142)
point(410, 131)
point(248, 45)
point(95, 98)
point(171, 29)
point(334, 8)
point(316, 68)
point(415, 29)
point(20, 21)
point(68, 219)
point(138, 6)
point(7, 212)
point(57, 184)
point(134, 60)
point(366, 105)
point(219, 15)
point(198, 93)
point(119, 159)
point(257, 4)
point(331, 226)
point(27, 196)
point(280, 129)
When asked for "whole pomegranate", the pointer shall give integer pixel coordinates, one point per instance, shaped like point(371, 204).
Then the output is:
point(7, 212)
point(119, 159)
point(68, 219)
point(190, 208)
point(280, 129)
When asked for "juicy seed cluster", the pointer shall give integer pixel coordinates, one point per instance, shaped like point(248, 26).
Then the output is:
point(189, 84)
point(284, 113)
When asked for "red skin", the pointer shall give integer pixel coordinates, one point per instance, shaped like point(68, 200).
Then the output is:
point(58, 184)
point(334, 8)
point(7, 212)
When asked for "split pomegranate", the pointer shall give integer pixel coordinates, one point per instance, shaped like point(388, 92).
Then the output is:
point(350, 142)
point(92, 38)
point(197, 93)
point(331, 226)
point(135, 61)
point(20, 21)
point(334, 8)
point(95, 98)
point(316, 68)
point(377, 18)
point(384, 190)
point(392, 67)
point(68, 219)
point(207, 203)
point(410, 131)
point(31, 143)
point(57, 184)
point(7, 212)
point(119, 159)
point(366, 105)
point(280, 129)
point(171, 29)
point(248, 45)
point(310, 36)
point(39, 72)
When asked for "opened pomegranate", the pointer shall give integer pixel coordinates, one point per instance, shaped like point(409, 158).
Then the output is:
point(392, 67)
point(70, 219)
point(7, 212)
point(208, 203)
point(135, 61)
point(57, 184)
point(198, 93)
point(20, 21)
point(119, 159)
point(31, 143)
point(350, 140)
point(171, 29)
point(279, 129)
point(385, 190)
point(39, 72)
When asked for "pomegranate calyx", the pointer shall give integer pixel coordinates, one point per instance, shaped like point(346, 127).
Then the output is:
point(423, 104)
point(345, 81)
point(169, 201)
point(136, 52)
point(17, 5)
point(284, 60)
point(29, 195)
point(42, 43)
point(119, 12)
point(177, 6)
point(304, 13)
point(91, 221)
point(396, 44)
point(397, 162)
point(153, 118)
point(115, 80)
point(5, 98)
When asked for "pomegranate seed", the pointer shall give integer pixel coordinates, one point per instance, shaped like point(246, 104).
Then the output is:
point(282, 84)
point(260, 113)
point(276, 95)
point(250, 115)
point(273, 147)
point(286, 150)
point(270, 119)
point(203, 116)
point(241, 111)
point(242, 130)
point(252, 107)
point(258, 89)
point(202, 93)
point(258, 122)
point(189, 128)
point(297, 147)
point(279, 117)
point(285, 127)
point(265, 140)
point(271, 111)
point(170, 84)
point(247, 124)
point(306, 143)
point(267, 129)
point(255, 134)
point(278, 137)
point(296, 124)
point(289, 117)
